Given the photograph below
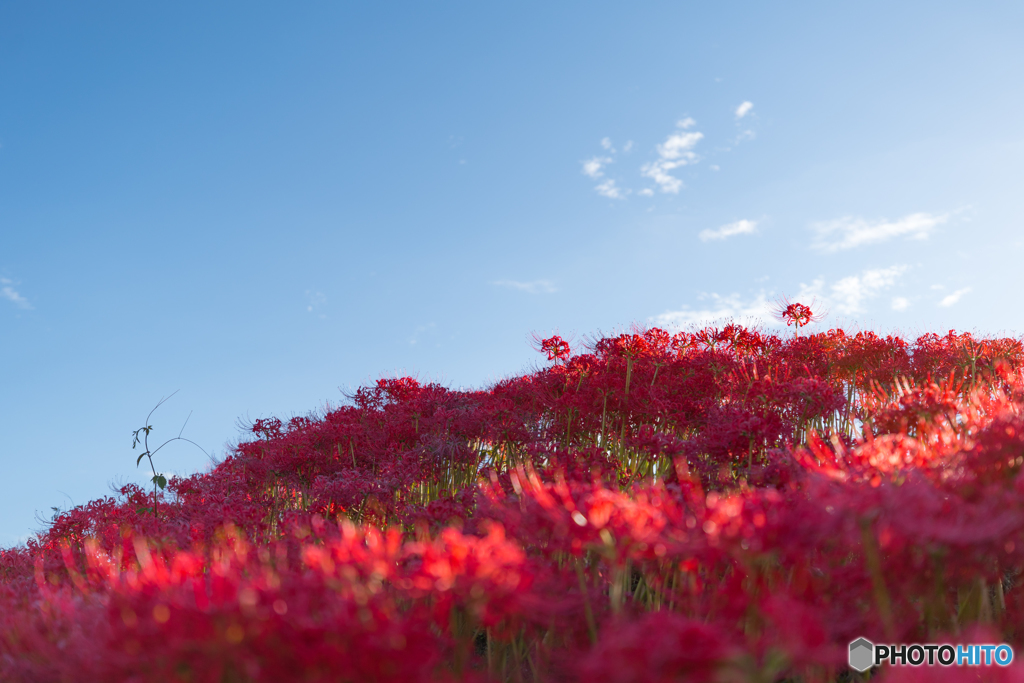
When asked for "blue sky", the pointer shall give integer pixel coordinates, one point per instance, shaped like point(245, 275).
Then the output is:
point(257, 204)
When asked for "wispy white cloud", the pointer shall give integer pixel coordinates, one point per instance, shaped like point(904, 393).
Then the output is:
point(647, 192)
point(718, 309)
point(532, 287)
point(658, 171)
point(626, 148)
point(420, 332)
point(743, 227)
point(745, 136)
point(592, 168)
point(849, 232)
point(850, 294)
point(846, 296)
point(812, 291)
point(607, 144)
point(609, 189)
point(951, 299)
point(7, 291)
point(900, 303)
point(676, 151)
point(315, 300)
point(744, 109)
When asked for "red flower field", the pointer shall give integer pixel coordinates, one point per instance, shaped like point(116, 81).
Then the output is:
point(723, 505)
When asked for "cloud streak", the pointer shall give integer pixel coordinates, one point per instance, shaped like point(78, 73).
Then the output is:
point(849, 232)
point(676, 151)
point(850, 294)
point(593, 168)
point(609, 189)
point(420, 331)
point(7, 291)
point(953, 298)
point(743, 227)
point(720, 308)
point(532, 287)
point(316, 300)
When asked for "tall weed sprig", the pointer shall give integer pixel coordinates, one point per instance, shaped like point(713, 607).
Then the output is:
point(159, 481)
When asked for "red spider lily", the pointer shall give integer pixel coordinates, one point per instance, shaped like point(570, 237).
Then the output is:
point(795, 313)
point(556, 347)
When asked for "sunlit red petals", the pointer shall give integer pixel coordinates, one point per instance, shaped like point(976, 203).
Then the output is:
point(555, 347)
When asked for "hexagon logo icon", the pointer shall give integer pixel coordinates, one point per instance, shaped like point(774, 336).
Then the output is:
point(862, 654)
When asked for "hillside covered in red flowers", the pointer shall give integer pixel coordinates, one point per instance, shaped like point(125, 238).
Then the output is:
point(719, 505)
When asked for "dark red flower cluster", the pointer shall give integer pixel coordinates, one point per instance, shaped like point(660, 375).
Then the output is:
point(720, 505)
